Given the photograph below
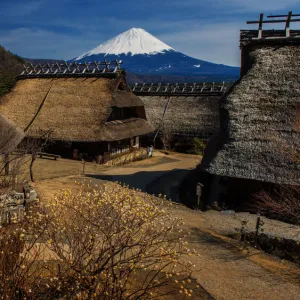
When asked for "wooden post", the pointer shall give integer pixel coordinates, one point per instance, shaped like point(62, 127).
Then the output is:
point(83, 167)
point(287, 24)
point(8, 217)
point(198, 193)
point(257, 229)
point(261, 17)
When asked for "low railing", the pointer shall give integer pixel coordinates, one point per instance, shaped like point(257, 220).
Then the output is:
point(182, 89)
point(67, 69)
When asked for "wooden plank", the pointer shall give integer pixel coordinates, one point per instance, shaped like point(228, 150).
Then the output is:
point(282, 16)
point(272, 21)
point(42, 154)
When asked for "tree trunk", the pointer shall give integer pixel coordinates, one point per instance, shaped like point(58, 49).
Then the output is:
point(33, 157)
point(6, 162)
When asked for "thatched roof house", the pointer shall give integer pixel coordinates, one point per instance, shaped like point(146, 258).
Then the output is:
point(259, 114)
point(259, 136)
point(10, 135)
point(94, 106)
point(186, 116)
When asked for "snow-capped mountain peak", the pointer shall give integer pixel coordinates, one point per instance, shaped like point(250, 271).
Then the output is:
point(142, 53)
point(133, 41)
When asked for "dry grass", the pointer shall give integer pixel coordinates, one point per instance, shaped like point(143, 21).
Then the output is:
point(49, 168)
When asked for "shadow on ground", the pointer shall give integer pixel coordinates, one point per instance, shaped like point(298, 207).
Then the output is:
point(150, 182)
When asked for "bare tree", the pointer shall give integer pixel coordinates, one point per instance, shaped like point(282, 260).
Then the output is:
point(166, 138)
point(34, 146)
point(284, 201)
point(105, 242)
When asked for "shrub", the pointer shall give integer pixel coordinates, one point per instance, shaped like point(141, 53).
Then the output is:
point(105, 242)
point(283, 203)
point(197, 146)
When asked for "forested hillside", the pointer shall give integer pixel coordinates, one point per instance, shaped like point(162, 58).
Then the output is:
point(10, 67)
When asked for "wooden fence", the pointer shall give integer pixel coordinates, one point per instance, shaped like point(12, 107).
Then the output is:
point(261, 34)
point(179, 89)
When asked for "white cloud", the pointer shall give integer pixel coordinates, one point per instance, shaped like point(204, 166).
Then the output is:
point(37, 43)
point(21, 9)
point(218, 43)
point(209, 38)
point(265, 6)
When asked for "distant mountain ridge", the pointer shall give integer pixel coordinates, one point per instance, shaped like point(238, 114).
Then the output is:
point(133, 78)
point(142, 53)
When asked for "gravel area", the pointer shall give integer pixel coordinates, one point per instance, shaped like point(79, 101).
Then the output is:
point(227, 222)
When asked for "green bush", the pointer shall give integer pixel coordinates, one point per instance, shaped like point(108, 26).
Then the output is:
point(10, 67)
point(197, 146)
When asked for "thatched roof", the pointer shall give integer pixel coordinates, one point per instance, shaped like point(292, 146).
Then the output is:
point(73, 109)
point(126, 99)
point(259, 137)
point(10, 135)
point(185, 116)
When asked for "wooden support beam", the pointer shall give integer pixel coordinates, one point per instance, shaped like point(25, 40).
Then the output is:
point(261, 17)
point(86, 66)
point(158, 88)
point(33, 68)
point(287, 24)
point(96, 65)
point(135, 86)
point(150, 88)
point(41, 68)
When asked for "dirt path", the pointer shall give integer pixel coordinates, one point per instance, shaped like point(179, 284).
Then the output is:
point(141, 174)
point(225, 268)
point(230, 271)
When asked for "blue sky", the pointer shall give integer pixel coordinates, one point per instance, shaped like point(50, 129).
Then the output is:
point(63, 29)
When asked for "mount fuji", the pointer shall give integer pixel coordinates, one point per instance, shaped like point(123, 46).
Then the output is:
point(143, 53)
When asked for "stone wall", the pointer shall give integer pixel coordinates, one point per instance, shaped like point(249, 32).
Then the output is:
point(284, 248)
point(13, 205)
point(118, 160)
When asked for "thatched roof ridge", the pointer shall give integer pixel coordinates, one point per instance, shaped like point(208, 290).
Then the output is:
point(73, 109)
point(10, 135)
point(258, 138)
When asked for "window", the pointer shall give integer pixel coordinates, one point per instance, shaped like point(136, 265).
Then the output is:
point(122, 113)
